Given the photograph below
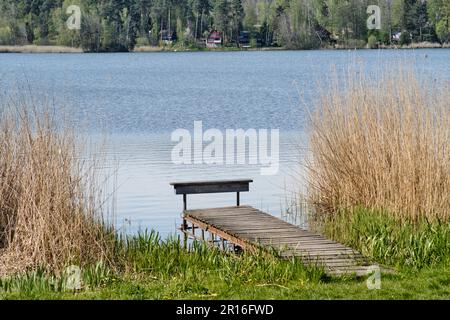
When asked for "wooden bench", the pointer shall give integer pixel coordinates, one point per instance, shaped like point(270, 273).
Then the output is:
point(214, 186)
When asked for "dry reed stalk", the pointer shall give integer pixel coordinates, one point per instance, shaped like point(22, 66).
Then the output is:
point(382, 144)
point(51, 213)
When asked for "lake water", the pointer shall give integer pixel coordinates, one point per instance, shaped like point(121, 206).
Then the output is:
point(139, 99)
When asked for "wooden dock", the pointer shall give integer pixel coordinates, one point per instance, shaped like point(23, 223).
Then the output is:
point(247, 228)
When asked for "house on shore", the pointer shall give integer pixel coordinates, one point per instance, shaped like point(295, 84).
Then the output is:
point(214, 39)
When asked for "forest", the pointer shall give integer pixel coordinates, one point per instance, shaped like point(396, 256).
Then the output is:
point(121, 25)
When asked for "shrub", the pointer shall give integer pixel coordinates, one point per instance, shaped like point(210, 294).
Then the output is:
point(372, 42)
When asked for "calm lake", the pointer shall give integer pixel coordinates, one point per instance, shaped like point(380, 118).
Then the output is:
point(139, 99)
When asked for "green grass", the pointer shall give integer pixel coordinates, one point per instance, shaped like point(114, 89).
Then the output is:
point(153, 269)
point(403, 244)
point(148, 253)
point(426, 284)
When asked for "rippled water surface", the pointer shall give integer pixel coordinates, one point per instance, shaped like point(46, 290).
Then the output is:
point(140, 98)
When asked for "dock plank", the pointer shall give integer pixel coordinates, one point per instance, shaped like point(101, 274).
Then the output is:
point(249, 227)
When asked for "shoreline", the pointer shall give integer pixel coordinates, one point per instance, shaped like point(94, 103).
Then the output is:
point(147, 49)
point(39, 49)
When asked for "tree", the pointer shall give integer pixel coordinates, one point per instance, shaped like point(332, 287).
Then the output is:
point(220, 14)
point(115, 25)
point(250, 16)
point(90, 33)
point(439, 16)
point(236, 17)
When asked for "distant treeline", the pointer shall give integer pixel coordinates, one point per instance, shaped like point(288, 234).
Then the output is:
point(120, 25)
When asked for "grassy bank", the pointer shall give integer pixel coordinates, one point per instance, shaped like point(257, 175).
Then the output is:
point(153, 269)
point(378, 235)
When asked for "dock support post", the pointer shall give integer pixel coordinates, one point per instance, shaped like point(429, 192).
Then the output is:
point(185, 222)
point(238, 200)
point(185, 233)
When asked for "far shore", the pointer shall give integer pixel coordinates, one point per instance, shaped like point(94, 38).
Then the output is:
point(65, 49)
point(39, 49)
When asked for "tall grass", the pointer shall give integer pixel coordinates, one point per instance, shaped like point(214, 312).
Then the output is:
point(51, 212)
point(377, 235)
point(41, 281)
point(167, 259)
point(382, 144)
point(379, 167)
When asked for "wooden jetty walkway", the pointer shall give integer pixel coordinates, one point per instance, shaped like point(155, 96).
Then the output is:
point(246, 228)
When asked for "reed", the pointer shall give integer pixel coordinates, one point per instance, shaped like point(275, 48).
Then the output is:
point(382, 145)
point(51, 210)
point(379, 167)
